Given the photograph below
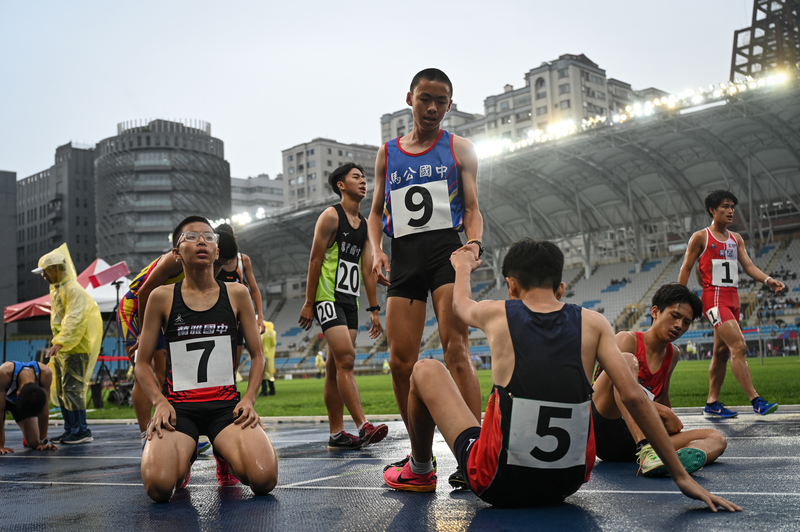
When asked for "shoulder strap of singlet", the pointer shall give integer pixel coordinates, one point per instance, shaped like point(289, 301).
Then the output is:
point(241, 271)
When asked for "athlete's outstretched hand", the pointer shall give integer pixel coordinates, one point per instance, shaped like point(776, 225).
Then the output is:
point(6, 450)
point(163, 417)
point(775, 285)
point(47, 447)
point(375, 328)
point(245, 414)
point(465, 256)
point(693, 490)
point(306, 316)
point(380, 262)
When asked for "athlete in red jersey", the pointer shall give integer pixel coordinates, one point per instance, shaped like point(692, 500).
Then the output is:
point(525, 459)
point(720, 253)
point(198, 317)
point(617, 436)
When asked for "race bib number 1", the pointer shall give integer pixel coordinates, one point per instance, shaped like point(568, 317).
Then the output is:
point(724, 272)
point(420, 208)
point(201, 363)
point(548, 435)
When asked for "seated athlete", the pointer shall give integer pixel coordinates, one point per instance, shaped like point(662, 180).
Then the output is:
point(652, 358)
point(198, 317)
point(162, 271)
point(25, 392)
point(535, 446)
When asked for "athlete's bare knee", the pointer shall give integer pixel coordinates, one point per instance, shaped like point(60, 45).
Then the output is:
point(401, 367)
point(159, 486)
point(633, 362)
point(738, 348)
point(264, 483)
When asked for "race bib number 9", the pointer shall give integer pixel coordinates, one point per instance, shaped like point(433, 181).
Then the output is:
point(420, 208)
point(201, 363)
point(348, 277)
point(724, 272)
point(547, 435)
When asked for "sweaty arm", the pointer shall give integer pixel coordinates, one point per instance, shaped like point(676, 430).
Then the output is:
point(380, 261)
point(468, 167)
point(244, 411)
point(597, 329)
point(696, 245)
point(752, 270)
point(324, 233)
point(247, 266)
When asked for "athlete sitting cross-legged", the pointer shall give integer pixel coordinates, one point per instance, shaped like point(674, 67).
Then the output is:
point(535, 443)
point(652, 358)
point(198, 317)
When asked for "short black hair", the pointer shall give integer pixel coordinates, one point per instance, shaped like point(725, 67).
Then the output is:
point(224, 227)
point(432, 74)
point(534, 264)
point(228, 248)
point(675, 293)
point(340, 173)
point(176, 234)
point(715, 197)
point(31, 400)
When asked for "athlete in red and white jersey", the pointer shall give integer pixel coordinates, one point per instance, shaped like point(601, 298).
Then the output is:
point(720, 253)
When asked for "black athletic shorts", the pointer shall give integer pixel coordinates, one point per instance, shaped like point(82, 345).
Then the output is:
point(330, 314)
point(421, 263)
point(463, 446)
point(208, 418)
point(612, 439)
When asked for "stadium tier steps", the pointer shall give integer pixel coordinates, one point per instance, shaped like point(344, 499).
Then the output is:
point(598, 293)
point(785, 307)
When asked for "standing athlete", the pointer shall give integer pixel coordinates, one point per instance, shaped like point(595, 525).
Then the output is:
point(535, 445)
point(426, 192)
point(340, 254)
point(720, 253)
point(652, 357)
point(198, 317)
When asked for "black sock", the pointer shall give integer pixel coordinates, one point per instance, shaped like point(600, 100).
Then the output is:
point(641, 444)
point(753, 402)
point(711, 404)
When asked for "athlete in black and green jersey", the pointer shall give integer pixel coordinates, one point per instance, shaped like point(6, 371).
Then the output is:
point(339, 254)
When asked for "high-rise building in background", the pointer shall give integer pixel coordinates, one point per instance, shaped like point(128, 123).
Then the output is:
point(8, 234)
point(568, 90)
point(306, 167)
point(150, 176)
point(55, 206)
point(254, 195)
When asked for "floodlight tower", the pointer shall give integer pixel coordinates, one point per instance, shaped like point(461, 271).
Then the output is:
point(772, 41)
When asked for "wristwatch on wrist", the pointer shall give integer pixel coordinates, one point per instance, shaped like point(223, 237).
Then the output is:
point(376, 307)
point(480, 245)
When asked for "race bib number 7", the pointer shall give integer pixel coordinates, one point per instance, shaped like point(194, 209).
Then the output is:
point(203, 362)
point(548, 435)
point(420, 208)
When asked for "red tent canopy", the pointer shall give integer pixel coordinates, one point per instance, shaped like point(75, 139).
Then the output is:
point(41, 305)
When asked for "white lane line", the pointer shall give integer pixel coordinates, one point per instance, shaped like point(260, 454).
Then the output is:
point(662, 492)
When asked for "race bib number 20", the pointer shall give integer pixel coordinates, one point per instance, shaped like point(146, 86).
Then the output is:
point(548, 435)
point(420, 208)
point(201, 363)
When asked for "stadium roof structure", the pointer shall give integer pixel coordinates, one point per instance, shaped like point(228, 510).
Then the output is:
point(652, 171)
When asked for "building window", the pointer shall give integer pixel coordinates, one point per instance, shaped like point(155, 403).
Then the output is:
point(291, 181)
point(349, 154)
point(330, 151)
point(147, 140)
point(541, 95)
point(565, 104)
point(326, 174)
point(601, 95)
point(291, 157)
point(77, 220)
point(597, 79)
point(291, 169)
point(504, 105)
point(301, 180)
point(77, 202)
point(310, 152)
point(312, 164)
point(539, 83)
point(330, 163)
point(541, 110)
point(523, 116)
point(312, 176)
point(340, 152)
point(77, 239)
point(563, 89)
point(313, 188)
point(490, 109)
point(562, 73)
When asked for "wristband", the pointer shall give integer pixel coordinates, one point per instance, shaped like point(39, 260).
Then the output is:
point(44, 441)
point(480, 245)
point(376, 307)
point(767, 280)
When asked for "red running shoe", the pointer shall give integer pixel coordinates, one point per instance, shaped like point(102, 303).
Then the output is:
point(369, 433)
point(402, 478)
point(225, 476)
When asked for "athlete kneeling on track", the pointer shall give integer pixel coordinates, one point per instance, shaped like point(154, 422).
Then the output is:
point(199, 317)
point(535, 443)
point(652, 358)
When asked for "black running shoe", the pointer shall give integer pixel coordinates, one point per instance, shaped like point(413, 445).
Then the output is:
point(457, 480)
point(58, 438)
point(344, 441)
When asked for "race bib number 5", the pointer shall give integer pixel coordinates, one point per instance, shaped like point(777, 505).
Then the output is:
point(201, 363)
point(548, 435)
point(420, 208)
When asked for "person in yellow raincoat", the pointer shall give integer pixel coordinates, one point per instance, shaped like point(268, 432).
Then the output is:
point(269, 340)
point(77, 333)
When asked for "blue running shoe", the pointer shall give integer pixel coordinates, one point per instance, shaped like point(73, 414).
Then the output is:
point(763, 407)
point(203, 446)
point(718, 410)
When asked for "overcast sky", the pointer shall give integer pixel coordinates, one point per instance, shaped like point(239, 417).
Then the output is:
point(269, 75)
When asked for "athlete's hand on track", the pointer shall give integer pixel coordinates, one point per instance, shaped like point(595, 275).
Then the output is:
point(247, 415)
point(464, 255)
point(693, 490)
point(163, 417)
point(775, 285)
point(6, 450)
point(47, 447)
point(380, 262)
point(306, 316)
point(376, 328)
